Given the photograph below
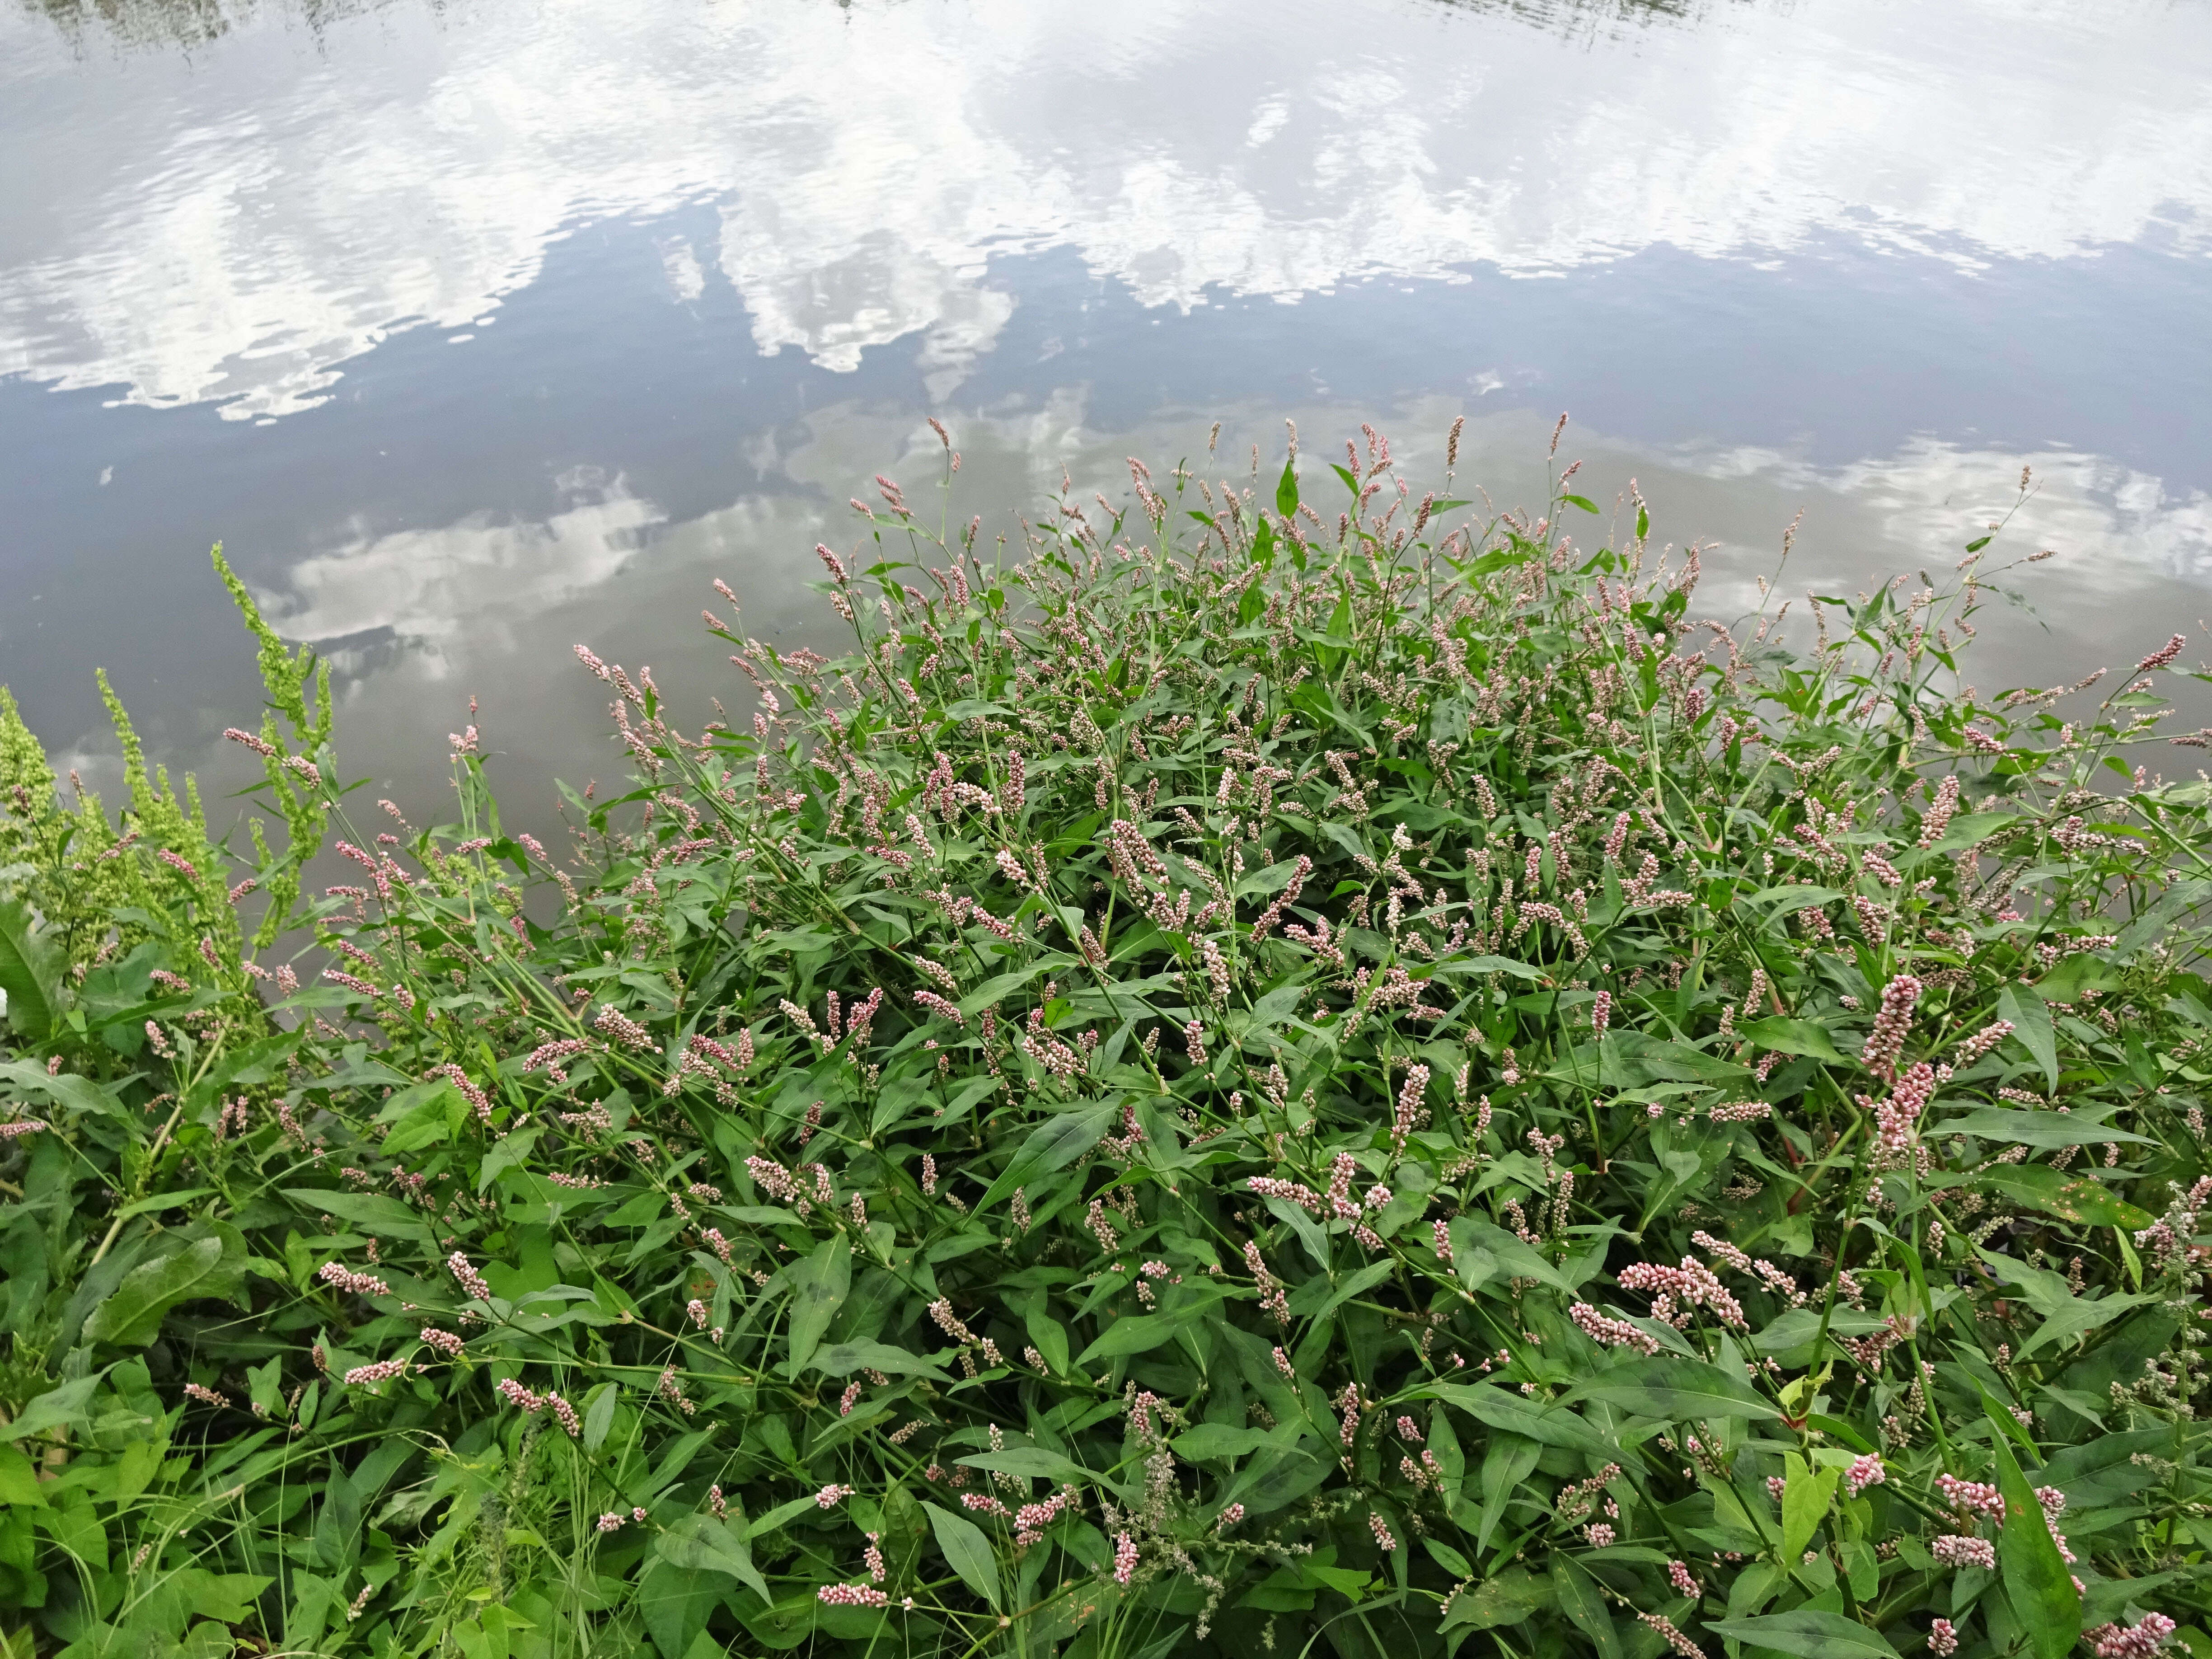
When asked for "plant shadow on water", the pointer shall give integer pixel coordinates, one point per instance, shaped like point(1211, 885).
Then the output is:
point(1278, 1068)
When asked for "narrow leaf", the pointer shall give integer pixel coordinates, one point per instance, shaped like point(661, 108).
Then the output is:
point(1051, 1145)
point(2031, 1024)
point(2036, 1578)
point(1580, 1600)
point(817, 1290)
point(1808, 1632)
point(968, 1552)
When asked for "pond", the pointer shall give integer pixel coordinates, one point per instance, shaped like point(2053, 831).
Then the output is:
point(479, 329)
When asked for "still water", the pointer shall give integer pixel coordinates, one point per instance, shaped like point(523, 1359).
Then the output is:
point(477, 328)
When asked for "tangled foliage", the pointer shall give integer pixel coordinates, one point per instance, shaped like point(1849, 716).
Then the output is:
point(1224, 1082)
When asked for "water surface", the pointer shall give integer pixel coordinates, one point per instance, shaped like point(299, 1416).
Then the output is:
point(474, 329)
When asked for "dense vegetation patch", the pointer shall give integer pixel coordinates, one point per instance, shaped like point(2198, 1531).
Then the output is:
point(1270, 1071)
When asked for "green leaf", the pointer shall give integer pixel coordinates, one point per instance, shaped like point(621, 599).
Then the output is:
point(1805, 1499)
point(994, 991)
point(1580, 1600)
point(1674, 1388)
point(817, 1290)
point(1050, 1337)
point(2080, 1199)
point(2077, 1315)
point(1549, 1425)
point(843, 1358)
point(1051, 1145)
point(968, 1552)
point(1033, 1461)
point(1808, 1632)
point(2034, 1128)
point(1212, 1440)
point(1473, 1238)
point(1977, 544)
point(1504, 1467)
point(1142, 1332)
point(600, 1415)
point(703, 1542)
point(2036, 1578)
point(1366, 1279)
point(19, 1482)
point(65, 1089)
point(2066, 983)
point(53, 1408)
point(1448, 1557)
point(2031, 1024)
point(130, 1317)
point(1793, 1037)
point(1263, 544)
point(31, 964)
point(2153, 923)
point(510, 1152)
point(1272, 1480)
point(765, 1524)
point(1286, 490)
point(372, 1212)
point(1507, 1598)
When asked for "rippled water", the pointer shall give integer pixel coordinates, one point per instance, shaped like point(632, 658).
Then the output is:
point(475, 330)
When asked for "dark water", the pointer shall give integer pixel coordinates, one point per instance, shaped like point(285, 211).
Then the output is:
point(480, 329)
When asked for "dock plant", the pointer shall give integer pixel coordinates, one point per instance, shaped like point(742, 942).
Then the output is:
point(1272, 1068)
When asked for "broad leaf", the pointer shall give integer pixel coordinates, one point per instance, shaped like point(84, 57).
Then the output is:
point(1212, 1440)
point(372, 1212)
point(1032, 1460)
point(2034, 1128)
point(1504, 1467)
point(53, 1408)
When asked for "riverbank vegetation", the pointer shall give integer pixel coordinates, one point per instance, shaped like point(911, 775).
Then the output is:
point(1278, 1069)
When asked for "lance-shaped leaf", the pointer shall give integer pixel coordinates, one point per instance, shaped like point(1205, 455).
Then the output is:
point(1806, 1495)
point(703, 1542)
point(31, 964)
point(1808, 1632)
point(1669, 1386)
point(130, 1317)
point(817, 1289)
point(1580, 1600)
point(2031, 1027)
point(968, 1552)
point(1051, 1145)
point(2036, 1578)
